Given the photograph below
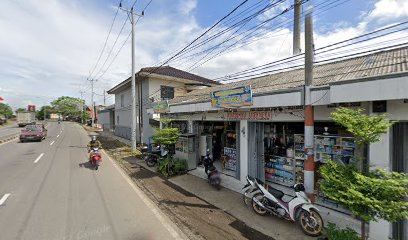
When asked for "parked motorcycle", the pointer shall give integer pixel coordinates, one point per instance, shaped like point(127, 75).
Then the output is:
point(96, 157)
point(299, 209)
point(213, 175)
point(251, 189)
point(154, 158)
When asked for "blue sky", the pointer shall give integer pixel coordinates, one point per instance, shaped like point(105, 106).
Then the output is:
point(50, 48)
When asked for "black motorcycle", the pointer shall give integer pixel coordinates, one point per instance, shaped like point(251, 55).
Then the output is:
point(154, 157)
point(213, 175)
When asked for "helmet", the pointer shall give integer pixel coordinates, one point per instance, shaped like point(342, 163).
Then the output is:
point(93, 138)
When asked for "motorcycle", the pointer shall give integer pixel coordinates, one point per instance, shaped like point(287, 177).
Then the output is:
point(214, 177)
point(95, 157)
point(299, 209)
point(251, 189)
point(154, 158)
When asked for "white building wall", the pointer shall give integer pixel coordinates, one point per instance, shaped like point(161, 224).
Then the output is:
point(243, 152)
point(104, 119)
point(154, 87)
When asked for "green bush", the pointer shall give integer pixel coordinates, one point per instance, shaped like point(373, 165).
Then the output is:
point(171, 167)
point(335, 233)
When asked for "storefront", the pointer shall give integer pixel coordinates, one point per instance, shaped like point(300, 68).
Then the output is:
point(221, 138)
point(276, 153)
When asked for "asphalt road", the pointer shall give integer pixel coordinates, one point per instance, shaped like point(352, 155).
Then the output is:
point(49, 192)
point(9, 130)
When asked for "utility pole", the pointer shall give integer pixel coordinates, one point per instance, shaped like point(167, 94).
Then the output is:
point(309, 111)
point(82, 107)
point(104, 98)
point(92, 100)
point(132, 17)
point(296, 27)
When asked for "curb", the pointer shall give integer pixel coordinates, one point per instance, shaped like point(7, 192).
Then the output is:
point(9, 138)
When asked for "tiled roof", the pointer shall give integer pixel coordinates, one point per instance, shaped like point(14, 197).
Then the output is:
point(166, 71)
point(372, 65)
point(174, 72)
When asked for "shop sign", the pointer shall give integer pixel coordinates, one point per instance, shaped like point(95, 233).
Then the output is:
point(258, 115)
point(161, 106)
point(234, 97)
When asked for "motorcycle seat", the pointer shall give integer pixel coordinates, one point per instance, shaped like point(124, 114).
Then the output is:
point(276, 193)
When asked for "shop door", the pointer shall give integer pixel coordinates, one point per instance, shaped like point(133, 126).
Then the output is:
point(399, 145)
point(256, 150)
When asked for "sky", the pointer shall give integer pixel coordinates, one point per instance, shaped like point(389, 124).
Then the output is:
point(49, 48)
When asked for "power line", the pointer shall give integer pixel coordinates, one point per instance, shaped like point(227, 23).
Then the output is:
point(106, 40)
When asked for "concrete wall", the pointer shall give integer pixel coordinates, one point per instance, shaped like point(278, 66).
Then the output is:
point(243, 150)
point(104, 120)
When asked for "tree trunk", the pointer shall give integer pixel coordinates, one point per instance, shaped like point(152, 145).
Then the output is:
point(363, 230)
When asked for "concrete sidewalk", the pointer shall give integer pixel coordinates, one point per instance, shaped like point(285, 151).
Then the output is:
point(232, 203)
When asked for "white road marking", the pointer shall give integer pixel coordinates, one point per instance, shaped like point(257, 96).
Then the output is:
point(39, 157)
point(52, 143)
point(163, 219)
point(4, 198)
point(58, 135)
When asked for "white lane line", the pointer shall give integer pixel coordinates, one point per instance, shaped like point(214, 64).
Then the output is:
point(4, 198)
point(58, 135)
point(39, 157)
point(52, 143)
point(156, 211)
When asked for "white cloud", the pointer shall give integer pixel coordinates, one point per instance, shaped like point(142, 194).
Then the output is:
point(47, 50)
point(385, 10)
point(187, 6)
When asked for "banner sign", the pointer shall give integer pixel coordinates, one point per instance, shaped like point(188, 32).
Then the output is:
point(234, 97)
point(256, 115)
point(161, 106)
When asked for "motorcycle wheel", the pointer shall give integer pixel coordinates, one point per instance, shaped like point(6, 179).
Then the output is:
point(311, 222)
point(258, 210)
point(150, 162)
point(246, 199)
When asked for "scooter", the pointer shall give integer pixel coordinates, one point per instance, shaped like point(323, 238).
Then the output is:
point(214, 177)
point(96, 157)
point(154, 158)
point(299, 209)
point(251, 189)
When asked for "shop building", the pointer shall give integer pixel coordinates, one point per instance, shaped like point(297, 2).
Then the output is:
point(268, 133)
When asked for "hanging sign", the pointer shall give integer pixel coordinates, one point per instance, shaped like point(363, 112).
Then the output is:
point(255, 115)
point(234, 97)
point(161, 106)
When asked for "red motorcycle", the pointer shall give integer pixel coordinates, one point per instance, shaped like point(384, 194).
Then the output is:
point(95, 157)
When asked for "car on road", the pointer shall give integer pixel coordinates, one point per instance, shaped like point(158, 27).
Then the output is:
point(33, 132)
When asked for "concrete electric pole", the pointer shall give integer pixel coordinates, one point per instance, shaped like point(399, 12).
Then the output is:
point(82, 106)
point(132, 17)
point(309, 111)
point(296, 27)
point(92, 100)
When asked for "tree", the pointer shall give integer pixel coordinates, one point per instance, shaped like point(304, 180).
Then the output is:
point(40, 113)
point(68, 106)
point(167, 136)
point(369, 195)
point(20, 110)
point(6, 110)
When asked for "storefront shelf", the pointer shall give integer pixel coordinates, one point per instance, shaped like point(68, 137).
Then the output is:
point(289, 171)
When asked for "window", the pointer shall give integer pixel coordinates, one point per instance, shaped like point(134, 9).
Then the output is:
point(117, 119)
point(122, 101)
point(166, 92)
